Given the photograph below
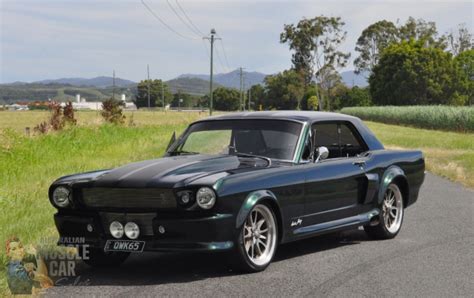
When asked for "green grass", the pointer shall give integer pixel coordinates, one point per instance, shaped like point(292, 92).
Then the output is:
point(448, 154)
point(28, 165)
point(449, 118)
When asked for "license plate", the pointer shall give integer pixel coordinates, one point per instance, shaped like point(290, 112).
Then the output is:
point(124, 245)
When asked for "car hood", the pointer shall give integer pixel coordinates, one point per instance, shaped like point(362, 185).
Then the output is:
point(172, 171)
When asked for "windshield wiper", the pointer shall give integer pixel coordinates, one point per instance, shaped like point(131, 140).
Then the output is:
point(183, 152)
point(241, 154)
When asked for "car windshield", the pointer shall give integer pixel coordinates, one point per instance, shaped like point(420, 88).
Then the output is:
point(276, 139)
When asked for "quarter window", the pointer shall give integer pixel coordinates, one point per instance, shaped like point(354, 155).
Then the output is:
point(340, 139)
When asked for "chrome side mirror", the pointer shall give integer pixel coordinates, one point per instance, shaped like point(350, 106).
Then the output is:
point(322, 153)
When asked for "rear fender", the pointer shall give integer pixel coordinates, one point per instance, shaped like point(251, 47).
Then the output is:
point(392, 173)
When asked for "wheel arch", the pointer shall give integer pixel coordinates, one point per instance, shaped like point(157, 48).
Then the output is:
point(258, 197)
point(394, 174)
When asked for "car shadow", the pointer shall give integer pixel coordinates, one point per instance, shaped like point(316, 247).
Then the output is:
point(163, 268)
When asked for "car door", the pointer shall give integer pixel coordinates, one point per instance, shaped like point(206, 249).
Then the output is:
point(335, 187)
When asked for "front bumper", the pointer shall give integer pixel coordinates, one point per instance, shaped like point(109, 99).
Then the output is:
point(213, 232)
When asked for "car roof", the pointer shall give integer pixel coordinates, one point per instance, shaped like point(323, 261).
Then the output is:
point(303, 116)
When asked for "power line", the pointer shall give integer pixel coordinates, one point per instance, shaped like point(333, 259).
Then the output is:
point(182, 20)
point(189, 19)
point(165, 24)
point(225, 54)
point(224, 68)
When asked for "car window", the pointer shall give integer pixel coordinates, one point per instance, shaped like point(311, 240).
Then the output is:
point(340, 139)
point(350, 144)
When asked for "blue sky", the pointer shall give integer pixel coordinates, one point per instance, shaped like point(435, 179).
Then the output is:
point(47, 39)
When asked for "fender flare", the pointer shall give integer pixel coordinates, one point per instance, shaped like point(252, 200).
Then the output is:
point(250, 201)
point(388, 177)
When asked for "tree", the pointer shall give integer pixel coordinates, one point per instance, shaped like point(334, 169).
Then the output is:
point(353, 97)
point(284, 91)
point(371, 43)
point(465, 63)
point(313, 103)
point(460, 41)
point(141, 100)
point(226, 99)
point(257, 96)
point(187, 100)
point(409, 73)
point(421, 31)
point(316, 42)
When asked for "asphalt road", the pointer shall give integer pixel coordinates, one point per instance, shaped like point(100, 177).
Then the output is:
point(433, 255)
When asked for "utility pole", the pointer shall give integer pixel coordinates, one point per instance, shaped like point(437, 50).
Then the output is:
point(212, 39)
point(148, 75)
point(250, 96)
point(163, 94)
point(241, 90)
point(113, 84)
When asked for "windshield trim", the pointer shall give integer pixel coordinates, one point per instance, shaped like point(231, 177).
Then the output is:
point(297, 150)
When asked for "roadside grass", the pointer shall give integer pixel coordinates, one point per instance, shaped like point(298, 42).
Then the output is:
point(19, 120)
point(28, 165)
point(447, 154)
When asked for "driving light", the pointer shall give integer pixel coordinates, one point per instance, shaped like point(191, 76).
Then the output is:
point(184, 197)
point(132, 230)
point(61, 196)
point(116, 229)
point(206, 198)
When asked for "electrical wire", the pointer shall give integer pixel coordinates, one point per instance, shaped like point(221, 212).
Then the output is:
point(165, 24)
point(182, 20)
point(189, 19)
point(223, 50)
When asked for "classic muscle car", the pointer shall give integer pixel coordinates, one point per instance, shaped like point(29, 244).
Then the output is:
point(242, 183)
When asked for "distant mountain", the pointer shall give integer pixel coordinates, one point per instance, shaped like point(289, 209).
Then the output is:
point(351, 79)
point(231, 79)
point(98, 82)
point(195, 86)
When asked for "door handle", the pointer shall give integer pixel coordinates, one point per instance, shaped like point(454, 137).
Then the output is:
point(359, 163)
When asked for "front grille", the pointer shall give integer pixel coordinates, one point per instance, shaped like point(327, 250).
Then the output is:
point(139, 198)
point(143, 220)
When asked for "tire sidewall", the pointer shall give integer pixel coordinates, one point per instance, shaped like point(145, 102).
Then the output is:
point(382, 222)
point(248, 265)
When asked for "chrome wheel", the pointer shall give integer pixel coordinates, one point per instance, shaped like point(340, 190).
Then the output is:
point(260, 235)
point(392, 209)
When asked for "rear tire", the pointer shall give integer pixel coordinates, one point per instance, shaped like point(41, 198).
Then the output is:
point(257, 240)
point(391, 215)
point(97, 257)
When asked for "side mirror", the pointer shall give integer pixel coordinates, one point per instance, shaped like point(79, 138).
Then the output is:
point(321, 153)
point(172, 140)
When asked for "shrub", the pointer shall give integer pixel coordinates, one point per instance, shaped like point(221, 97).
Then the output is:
point(112, 111)
point(60, 117)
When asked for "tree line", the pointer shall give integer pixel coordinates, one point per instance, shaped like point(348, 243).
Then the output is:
point(405, 64)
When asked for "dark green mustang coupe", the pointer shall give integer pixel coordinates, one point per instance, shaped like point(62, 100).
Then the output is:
point(241, 183)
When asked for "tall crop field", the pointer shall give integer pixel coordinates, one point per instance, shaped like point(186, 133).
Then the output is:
point(431, 117)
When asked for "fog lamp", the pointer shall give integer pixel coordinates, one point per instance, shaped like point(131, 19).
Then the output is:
point(116, 229)
point(132, 230)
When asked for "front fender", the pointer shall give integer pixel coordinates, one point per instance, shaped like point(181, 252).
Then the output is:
point(250, 201)
point(390, 174)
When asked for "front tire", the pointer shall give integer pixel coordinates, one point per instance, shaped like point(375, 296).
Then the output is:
point(97, 257)
point(257, 240)
point(391, 216)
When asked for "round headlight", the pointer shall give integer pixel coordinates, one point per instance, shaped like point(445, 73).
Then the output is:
point(116, 229)
point(61, 196)
point(206, 198)
point(132, 230)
